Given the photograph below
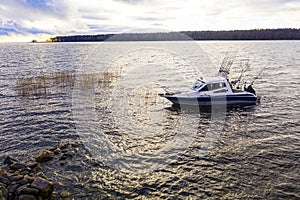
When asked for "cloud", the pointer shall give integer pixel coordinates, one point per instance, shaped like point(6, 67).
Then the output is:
point(62, 17)
point(131, 1)
point(48, 6)
point(149, 18)
point(9, 26)
point(28, 16)
point(33, 10)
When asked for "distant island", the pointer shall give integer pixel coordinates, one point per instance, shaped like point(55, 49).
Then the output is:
point(255, 34)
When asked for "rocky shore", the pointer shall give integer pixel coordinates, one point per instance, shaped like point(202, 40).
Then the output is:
point(25, 180)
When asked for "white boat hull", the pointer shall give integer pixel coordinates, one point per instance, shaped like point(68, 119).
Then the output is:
point(242, 98)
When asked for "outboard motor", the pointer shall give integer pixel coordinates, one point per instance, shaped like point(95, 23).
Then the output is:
point(250, 89)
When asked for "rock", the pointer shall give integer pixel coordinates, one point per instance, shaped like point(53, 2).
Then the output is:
point(76, 150)
point(17, 166)
point(37, 168)
point(4, 179)
point(26, 172)
point(28, 190)
point(2, 171)
point(22, 182)
point(65, 194)
point(32, 165)
point(19, 189)
point(40, 174)
point(27, 197)
point(45, 187)
point(15, 178)
point(2, 185)
point(13, 188)
point(3, 193)
point(28, 178)
point(9, 160)
point(44, 156)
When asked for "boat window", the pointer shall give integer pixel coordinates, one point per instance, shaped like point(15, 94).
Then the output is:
point(205, 88)
point(220, 91)
point(197, 86)
point(214, 86)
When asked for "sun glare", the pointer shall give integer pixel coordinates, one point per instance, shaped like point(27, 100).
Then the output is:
point(25, 38)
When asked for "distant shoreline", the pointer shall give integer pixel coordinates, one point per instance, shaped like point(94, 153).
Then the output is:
point(255, 34)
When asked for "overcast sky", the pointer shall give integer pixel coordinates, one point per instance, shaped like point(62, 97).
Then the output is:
point(23, 19)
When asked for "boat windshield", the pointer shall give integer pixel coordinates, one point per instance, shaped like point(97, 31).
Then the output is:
point(197, 86)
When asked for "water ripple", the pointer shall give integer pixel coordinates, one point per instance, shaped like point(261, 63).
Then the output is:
point(256, 156)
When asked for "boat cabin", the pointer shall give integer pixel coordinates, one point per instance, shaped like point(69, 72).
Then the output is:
point(214, 85)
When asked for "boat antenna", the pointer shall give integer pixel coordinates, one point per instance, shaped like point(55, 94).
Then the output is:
point(259, 74)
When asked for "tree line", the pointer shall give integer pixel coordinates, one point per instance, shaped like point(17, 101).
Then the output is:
point(256, 34)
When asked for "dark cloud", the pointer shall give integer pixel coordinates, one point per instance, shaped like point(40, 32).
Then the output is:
point(9, 26)
point(57, 8)
point(44, 5)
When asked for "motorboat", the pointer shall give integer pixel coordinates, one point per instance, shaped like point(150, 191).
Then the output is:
point(213, 91)
point(216, 91)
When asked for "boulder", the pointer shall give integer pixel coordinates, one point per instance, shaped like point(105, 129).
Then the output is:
point(45, 187)
point(28, 178)
point(3, 192)
point(2, 171)
point(32, 165)
point(27, 197)
point(4, 179)
point(65, 194)
point(44, 156)
point(40, 174)
point(13, 188)
point(27, 190)
point(15, 178)
point(17, 166)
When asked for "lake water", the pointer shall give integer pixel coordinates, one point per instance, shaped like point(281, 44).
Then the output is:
point(136, 145)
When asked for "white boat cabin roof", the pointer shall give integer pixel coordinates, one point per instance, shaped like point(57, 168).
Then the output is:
point(209, 84)
point(212, 80)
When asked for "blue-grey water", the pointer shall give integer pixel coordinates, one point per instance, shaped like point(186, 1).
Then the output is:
point(105, 95)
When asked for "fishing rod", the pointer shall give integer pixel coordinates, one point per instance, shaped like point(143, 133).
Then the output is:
point(226, 65)
point(243, 71)
point(259, 74)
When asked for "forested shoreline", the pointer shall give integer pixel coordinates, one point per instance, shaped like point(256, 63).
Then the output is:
point(256, 34)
